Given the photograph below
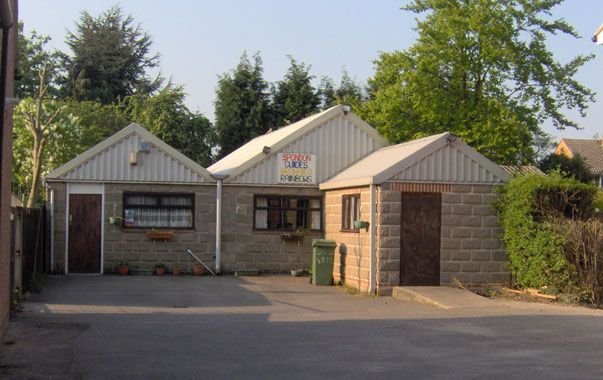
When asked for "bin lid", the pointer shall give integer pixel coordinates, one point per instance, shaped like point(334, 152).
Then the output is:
point(323, 243)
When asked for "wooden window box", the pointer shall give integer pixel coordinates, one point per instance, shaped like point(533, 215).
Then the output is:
point(160, 235)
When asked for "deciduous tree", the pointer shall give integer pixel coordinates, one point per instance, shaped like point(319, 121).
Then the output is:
point(481, 69)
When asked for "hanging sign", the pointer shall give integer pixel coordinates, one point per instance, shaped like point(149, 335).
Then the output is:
point(297, 168)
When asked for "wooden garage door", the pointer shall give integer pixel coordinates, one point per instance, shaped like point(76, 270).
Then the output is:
point(84, 233)
point(420, 239)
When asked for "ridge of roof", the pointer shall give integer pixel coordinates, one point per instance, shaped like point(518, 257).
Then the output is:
point(133, 128)
point(251, 153)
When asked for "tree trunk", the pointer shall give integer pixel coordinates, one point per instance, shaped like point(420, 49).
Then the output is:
point(36, 160)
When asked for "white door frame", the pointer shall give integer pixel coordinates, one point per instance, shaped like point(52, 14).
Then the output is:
point(85, 188)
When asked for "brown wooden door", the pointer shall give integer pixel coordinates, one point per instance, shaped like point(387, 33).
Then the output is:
point(84, 233)
point(420, 239)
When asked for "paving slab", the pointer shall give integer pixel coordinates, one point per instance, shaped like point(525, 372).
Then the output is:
point(444, 297)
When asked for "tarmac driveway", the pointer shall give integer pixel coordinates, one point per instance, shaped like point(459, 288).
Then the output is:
point(95, 327)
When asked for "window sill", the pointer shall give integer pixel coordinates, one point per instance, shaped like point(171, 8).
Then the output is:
point(350, 231)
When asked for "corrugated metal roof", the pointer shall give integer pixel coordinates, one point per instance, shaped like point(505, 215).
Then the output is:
point(521, 170)
point(337, 138)
point(109, 161)
point(437, 158)
point(591, 150)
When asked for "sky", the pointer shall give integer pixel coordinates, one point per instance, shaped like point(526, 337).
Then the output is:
point(199, 40)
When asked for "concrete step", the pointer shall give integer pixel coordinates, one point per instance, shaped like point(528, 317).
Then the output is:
point(441, 296)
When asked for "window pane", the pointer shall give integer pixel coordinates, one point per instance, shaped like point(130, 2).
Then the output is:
point(261, 202)
point(158, 211)
point(132, 200)
point(314, 203)
point(176, 201)
point(315, 224)
point(274, 219)
point(261, 219)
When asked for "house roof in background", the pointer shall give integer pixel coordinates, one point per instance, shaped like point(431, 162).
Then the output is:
point(591, 150)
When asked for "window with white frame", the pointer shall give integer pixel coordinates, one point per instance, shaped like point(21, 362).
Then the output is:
point(350, 211)
point(274, 212)
point(158, 210)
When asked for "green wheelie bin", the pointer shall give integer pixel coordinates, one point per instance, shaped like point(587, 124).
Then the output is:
point(323, 252)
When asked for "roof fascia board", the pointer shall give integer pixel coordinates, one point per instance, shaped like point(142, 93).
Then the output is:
point(354, 182)
point(60, 180)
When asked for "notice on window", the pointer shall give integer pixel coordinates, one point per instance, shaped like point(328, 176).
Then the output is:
point(297, 168)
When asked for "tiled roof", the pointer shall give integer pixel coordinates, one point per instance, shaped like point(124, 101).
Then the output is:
point(591, 150)
point(521, 169)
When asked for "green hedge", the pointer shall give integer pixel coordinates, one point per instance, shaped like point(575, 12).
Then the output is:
point(526, 206)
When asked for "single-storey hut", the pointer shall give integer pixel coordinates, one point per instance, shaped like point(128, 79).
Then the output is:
point(417, 213)
point(268, 189)
point(107, 204)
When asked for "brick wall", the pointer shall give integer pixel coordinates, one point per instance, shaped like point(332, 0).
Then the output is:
point(246, 249)
point(352, 254)
point(5, 173)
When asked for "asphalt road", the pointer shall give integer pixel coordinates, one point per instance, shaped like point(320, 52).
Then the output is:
point(144, 327)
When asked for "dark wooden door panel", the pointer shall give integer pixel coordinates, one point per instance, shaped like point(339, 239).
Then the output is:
point(420, 238)
point(84, 233)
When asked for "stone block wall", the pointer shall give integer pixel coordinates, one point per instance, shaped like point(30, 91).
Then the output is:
point(244, 248)
point(471, 250)
point(352, 254)
point(134, 246)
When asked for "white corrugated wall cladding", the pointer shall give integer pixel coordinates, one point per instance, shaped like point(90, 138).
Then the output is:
point(447, 165)
point(113, 164)
point(337, 143)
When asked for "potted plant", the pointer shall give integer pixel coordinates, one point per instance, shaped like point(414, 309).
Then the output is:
point(198, 270)
point(297, 235)
point(159, 268)
point(115, 220)
point(123, 268)
point(176, 271)
point(298, 272)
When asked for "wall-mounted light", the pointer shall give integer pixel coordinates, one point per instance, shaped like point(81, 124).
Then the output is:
point(346, 109)
point(266, 150)
point(451, 138)
point(133, 158)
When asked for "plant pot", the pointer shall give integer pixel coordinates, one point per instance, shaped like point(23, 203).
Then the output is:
point(159, 271)
point(176, 271)
point(123, 270)
point(297, 272)
point(359, 224)
point(198, 270)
